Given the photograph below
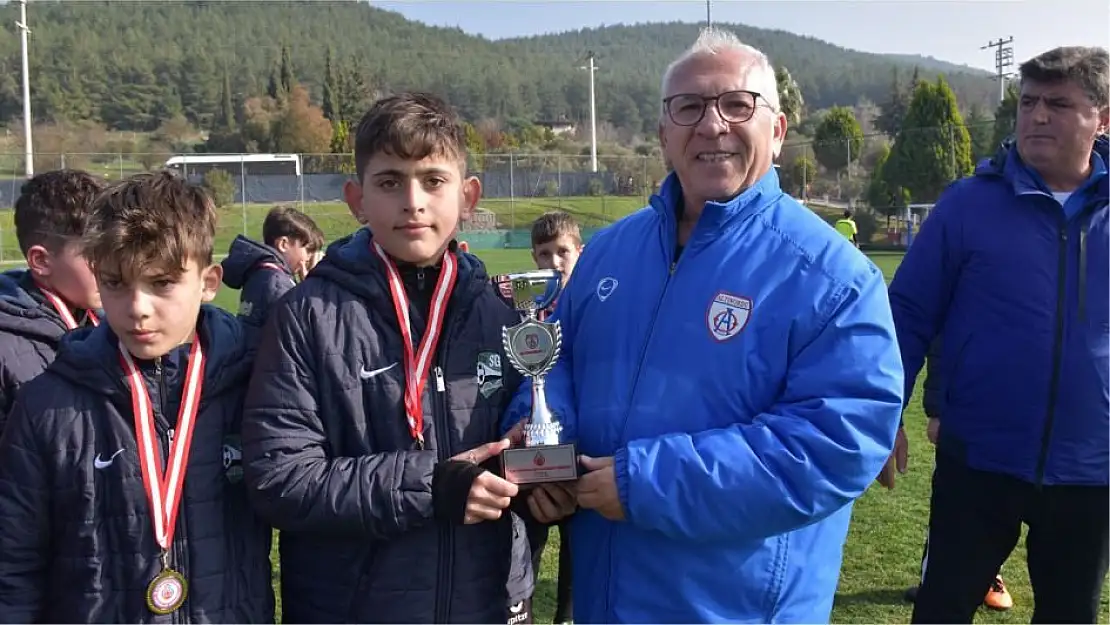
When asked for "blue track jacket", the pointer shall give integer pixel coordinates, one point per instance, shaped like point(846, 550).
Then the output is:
point(1019, 284)
point(749, 392)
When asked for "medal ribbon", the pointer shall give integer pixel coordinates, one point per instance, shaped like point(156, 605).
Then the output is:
point(419, 363)
point(163, 489)
point(278, 268)
point(63, 310)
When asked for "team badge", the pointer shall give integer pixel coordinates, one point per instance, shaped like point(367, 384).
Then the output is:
point(489, 373)
point(233, 459)
point(727, 315)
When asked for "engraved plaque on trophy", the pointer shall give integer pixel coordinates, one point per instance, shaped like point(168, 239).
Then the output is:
point(532, 347)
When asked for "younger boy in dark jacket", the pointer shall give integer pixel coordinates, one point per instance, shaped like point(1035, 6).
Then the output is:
point(99, 522)
point(57, 292)
point(265, 271)
point(366, 429)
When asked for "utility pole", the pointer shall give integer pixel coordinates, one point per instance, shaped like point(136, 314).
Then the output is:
point(1003, 58)
point(592, 67)
point(28, 151)
point(708, 14)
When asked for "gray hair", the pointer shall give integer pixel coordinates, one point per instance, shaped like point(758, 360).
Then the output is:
point(713, 41)
point(1087, 67)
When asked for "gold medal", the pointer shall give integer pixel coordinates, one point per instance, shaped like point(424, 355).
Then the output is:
point(167, 591)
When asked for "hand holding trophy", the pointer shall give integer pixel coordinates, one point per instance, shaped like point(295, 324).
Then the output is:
point(532, 347)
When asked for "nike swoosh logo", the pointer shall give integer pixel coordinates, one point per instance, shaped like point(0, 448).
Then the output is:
point(366, 375)
point(104, 464)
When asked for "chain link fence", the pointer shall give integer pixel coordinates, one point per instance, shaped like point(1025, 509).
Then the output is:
point(519, 186)
point(516, 189)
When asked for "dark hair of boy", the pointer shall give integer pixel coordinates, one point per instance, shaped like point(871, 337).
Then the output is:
point(152, 220)
point(51, 211)
point(554, 224)
point(82, 459)
point(286, 221)
point(53, 208)
point(412, 126)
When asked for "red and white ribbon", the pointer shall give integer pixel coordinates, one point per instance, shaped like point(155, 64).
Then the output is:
point(419, 363)
point(63, 309)
point(164, 488)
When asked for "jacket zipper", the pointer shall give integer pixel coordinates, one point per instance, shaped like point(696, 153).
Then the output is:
point(1083, 269)
point(177, 561)
point(672, 267)
point(1057, 351)
point(446, 532)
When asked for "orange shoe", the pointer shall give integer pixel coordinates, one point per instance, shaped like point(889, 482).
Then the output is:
point(998, 598)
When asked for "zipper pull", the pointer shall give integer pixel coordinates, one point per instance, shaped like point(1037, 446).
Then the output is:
point(169, 437)
point(440, 386)
point(420, 279)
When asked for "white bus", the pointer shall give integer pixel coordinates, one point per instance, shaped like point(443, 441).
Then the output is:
point(237, 164)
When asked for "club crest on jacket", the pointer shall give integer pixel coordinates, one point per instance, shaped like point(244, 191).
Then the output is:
point(489, 373)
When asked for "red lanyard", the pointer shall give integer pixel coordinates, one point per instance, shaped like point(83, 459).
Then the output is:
point(419, 363)
point(163, 488)
point(274, 266)
point(63, 310)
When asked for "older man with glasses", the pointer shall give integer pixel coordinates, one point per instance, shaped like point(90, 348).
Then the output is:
point(729, 368)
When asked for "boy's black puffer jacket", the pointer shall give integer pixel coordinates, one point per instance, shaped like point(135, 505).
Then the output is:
point(331, 463)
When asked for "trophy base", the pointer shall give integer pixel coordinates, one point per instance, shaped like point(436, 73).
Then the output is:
point(540, 465)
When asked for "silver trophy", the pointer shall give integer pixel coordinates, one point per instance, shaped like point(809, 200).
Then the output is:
point(532, 348)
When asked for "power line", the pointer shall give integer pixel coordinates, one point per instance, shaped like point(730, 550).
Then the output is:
point(1003, 58)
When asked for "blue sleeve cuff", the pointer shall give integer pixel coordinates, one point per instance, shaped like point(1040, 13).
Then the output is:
point(620, 474)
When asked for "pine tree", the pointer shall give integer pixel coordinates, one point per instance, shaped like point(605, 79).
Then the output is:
point(331, 96)
point(934, 147)
point(226, 121)
point(286, 72)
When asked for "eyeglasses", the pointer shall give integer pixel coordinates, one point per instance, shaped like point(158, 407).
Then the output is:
point(735, 107)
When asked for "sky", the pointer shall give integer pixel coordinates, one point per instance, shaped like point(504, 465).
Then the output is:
point(950, 31)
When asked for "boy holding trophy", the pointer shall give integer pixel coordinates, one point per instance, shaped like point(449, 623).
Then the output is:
point(372, 421)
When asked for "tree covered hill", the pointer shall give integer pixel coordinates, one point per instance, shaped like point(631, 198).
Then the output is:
point(134, 65)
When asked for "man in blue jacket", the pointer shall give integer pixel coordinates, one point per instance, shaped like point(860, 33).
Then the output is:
point(730, 369)
point(1012, 265)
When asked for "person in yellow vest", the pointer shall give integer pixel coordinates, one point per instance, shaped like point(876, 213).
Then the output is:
point(847, 227)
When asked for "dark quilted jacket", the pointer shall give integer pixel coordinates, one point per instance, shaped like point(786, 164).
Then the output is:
point(77, 542)
point(30, 332)
point(331, 463)
point(259, 271)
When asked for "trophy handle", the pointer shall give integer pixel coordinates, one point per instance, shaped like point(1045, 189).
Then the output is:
point(554, 288)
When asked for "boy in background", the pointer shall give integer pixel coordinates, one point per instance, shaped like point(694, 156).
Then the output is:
point(99, 523)
point(57, 292)
point(367, 435)
point(556, 244)
point(263, 272)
